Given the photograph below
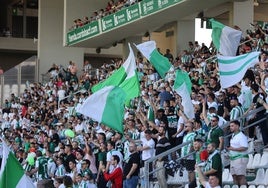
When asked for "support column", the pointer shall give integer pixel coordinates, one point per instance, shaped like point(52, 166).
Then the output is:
point(242, 14)
point(24, 26)
point(185, 33)
point(50, 38)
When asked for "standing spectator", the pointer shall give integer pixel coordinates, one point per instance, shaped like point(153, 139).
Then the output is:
point(213, 164)
point(260, 115)
point(237, 111)
point(238, 154)
point(132, 167)
point(162, 146)
point(89, 155)
point(85, 170)
point(169, 55)
point(51, 165)
point(147, 147)
point(116, 175)
point(102, 162)
point(111, 152)
point(72, 67)
point(87, 66)
point(200, 157)
point(164, 95)
point(69, 156)
point(73, 170)
point(60, 169)
point(189, 161)
point(215, 133)
point(41, 171)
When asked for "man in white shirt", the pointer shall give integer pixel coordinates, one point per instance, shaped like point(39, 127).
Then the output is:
point(238, 154)
point(148, 146)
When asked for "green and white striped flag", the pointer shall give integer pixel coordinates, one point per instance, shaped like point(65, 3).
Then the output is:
point(106, 106)
point(183, 86)
point(125, 77)
point(233, 69)
point(225, 39)
point(11, 173)
point(150, 52)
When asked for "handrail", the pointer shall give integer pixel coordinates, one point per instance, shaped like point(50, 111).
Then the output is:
point(146, 163)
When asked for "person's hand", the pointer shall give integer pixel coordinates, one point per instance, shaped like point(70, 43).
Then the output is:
point(128, 177)
point(230, 148)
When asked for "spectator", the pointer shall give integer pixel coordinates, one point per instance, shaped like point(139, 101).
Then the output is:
point(132, 168)
point(213, 164)
point(116, 175)
point(169, 55)
point(188, 160)
point(215, 133)
point(161, 146)
point(238, 154)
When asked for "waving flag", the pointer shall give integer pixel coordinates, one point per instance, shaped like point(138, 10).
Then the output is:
point(160, 63)
point(125, 77)
point(11, 173)
point(106, 106)
point(233, 69)
point(183, 86)
point(225, 39)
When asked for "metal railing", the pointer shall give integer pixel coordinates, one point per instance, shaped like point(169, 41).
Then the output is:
point(174, 149)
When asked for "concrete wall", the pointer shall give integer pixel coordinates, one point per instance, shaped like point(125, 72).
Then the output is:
point(185, 33)
point(50, 37)
point(23, 44)
point(260, 13)
point(164, 42)
point(242, 14)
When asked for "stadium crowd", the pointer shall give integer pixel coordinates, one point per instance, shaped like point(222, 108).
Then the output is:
point(112, 7)
point(59, 147)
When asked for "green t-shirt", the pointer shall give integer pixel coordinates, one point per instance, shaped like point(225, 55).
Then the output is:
point(41, 164)
point(214, 134)
point(102, 157)
point(214, 162)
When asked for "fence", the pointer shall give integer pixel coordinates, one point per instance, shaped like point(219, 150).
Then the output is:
point(174, 149)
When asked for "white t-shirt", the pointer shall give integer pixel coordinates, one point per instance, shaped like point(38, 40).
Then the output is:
point(179, 125)
point(237, 141)
point(148, 153)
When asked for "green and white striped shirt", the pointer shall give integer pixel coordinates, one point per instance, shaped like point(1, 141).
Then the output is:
point(185, 150)
point(237, 112)
point(60, 171)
